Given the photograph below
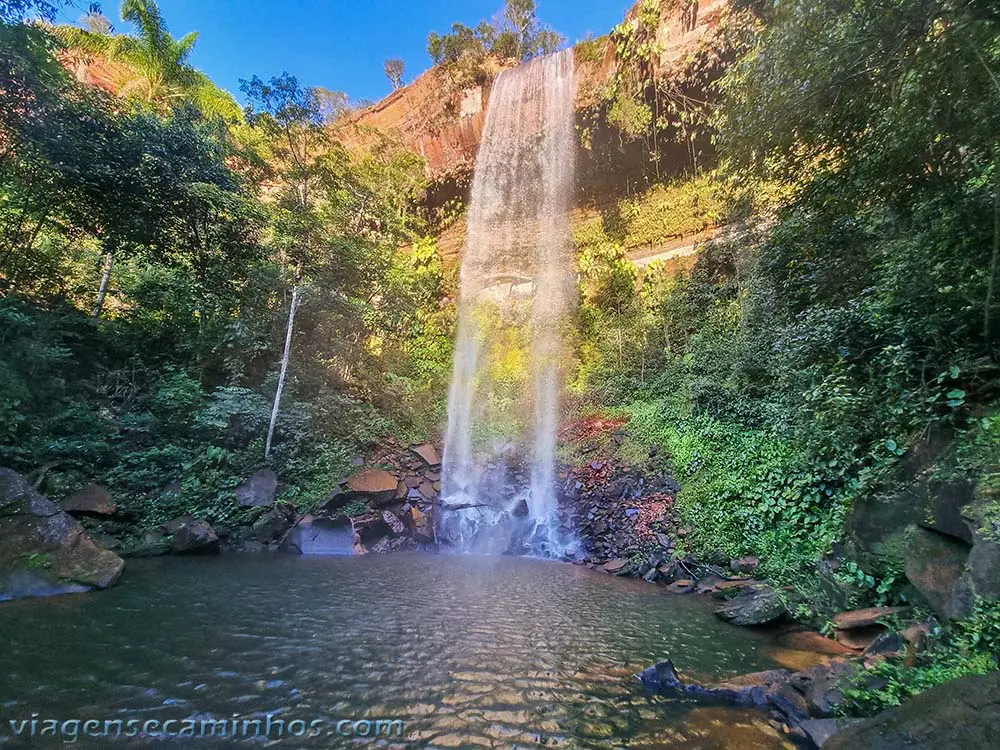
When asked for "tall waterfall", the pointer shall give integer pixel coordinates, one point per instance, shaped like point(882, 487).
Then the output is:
point(515, 288)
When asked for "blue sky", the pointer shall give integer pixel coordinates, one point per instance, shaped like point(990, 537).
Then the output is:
point(341, 44)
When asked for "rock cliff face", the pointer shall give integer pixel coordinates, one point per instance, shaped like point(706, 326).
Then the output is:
point(446, 126)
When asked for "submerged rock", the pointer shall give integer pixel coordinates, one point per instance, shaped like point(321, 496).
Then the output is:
point(963, 713)
point(44, 550)
point(753, 605)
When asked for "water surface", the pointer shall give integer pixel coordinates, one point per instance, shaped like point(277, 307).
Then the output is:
point(467, 651)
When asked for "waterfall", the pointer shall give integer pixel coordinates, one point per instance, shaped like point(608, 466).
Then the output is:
point(515, 290)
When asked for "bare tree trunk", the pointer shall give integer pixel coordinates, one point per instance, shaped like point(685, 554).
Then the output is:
point(987, 332)
point(102, 293)
point(284, 370)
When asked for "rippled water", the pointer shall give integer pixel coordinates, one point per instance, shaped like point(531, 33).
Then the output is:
point(467, 651)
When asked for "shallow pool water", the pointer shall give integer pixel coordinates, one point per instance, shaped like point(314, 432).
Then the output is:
point(463, 651)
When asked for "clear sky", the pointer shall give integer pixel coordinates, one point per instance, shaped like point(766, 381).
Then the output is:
point(341, 44)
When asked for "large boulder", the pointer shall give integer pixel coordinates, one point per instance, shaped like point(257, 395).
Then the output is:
point(373, 485)
point(427, 453)
point(194, 535)
point(259, 490)
point(273, 524)
point(44, 550)
point(92, 500)
point(935, 565)
point(321, 536)
point(963, 713)
point(753, 605)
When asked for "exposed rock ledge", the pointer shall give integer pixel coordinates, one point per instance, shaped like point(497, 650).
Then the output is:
point(963, 713)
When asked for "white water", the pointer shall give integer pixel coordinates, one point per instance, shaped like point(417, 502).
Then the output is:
point(515, 288)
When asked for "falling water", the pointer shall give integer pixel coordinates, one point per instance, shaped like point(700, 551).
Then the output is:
point(515, 288)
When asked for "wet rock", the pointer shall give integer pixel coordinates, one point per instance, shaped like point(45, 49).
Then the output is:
point(260, 489)
point(682, 586)
point(92, 500)
point(427, 490)
point(963, 713)
point(44, 550)
point(373, 485)
point(756, 605)
point(195, 536)
point(619, 567)
point(935, 565)
point(864, 618)
point(521, 509)
point(174, 525)
point(427, 453)
point(420, 526)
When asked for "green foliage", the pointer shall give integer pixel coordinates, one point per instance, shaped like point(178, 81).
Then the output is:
point(165, 394)
point(517, 36)
point(968, 647)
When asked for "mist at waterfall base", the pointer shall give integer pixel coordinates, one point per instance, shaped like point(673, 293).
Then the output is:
point(516, 285)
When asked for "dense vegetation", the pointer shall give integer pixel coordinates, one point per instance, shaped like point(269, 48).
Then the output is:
point(154, 250)
point(849, 310)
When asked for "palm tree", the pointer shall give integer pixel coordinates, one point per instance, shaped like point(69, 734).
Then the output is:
point(155, 64)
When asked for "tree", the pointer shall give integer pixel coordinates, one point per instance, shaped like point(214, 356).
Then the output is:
point(517, 35)
point(156, 65)
point(394, 69)
point(292, 120)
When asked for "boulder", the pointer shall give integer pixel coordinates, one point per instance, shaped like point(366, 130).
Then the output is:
point(322, 536)
point(260, 489)
point(373, 485)
point(746, 564)
point(427, 453)
point(195, 535)
point(944, 504)
point(273, 524)
point(92, 500)
point(935, 565)
point(859, 639)
point(44, 550)
point(420, 526)
point(392, 521)
point(619, 567)
point(754, 605)
point(963, 713)
point(864, 618)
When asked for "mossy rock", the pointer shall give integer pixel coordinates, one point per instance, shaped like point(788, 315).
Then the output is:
point(44, 550)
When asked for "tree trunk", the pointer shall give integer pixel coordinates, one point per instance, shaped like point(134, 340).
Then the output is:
point(284, 370)
point(102, 293)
